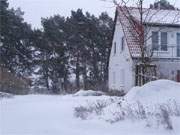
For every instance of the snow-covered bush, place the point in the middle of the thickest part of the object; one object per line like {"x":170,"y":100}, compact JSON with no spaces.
{"x":155,"y":103}
{"x":161,"y":117}
{"x":165,"y":118}
{"x":91,"y":108}
{"x":118,"y":112}
{"x":112,"y":112}
{"x":82,"y":112}
{"x":5,"y":95}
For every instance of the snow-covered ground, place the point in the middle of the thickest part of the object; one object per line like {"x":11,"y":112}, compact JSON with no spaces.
{"x":89,"y":93}
{"x":55,"y":115}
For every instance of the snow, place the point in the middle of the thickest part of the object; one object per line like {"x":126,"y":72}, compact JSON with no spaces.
{"x":155,"y":92}
{"x":46,"y":115}
{"x":157,"y":16}
{"x":151,"y":98}
{"x":88,"y":93}
{"x":54,"y":115}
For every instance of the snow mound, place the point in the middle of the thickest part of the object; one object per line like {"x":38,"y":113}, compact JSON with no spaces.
{"x":155,"y":92}
{"x":5,"y":95}
{"x":88,"y":93}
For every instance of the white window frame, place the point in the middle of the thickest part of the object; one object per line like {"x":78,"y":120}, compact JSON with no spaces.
{"x":159,"y":49}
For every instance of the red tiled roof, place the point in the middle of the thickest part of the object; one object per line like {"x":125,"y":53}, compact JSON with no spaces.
{"x":129,"y":28}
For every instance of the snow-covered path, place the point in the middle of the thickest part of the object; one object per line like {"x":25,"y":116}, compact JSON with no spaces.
{"x":53,"y":115}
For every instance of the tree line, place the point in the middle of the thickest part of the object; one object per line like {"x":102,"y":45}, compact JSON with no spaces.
{"x":68,"y":53}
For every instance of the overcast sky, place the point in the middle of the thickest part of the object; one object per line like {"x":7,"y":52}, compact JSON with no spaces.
{"x":35,"y":9}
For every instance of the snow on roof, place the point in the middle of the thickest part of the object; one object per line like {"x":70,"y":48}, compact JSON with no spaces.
{"x":157,"y":16}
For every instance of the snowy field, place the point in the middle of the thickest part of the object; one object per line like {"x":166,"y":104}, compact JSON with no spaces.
{"x":55,"y":115}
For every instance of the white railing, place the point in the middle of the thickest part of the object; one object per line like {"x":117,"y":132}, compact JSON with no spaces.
{"x":171,"y":51}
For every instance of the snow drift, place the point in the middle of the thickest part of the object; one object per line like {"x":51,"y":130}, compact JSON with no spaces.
{"x":88,"y":93}
{"x":151,"y":98}
{"x":155,"y":92}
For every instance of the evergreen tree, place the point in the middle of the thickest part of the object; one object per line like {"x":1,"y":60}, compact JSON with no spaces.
{"x":53,"y":56}
{"x":79,"y":44}
{"x":106,"y":28}
{"x":15,"y":39}
{"x":41,"y":59}
{"x":90,"y":43}
{"x":162,"y":4}
{"x":76,"y":42}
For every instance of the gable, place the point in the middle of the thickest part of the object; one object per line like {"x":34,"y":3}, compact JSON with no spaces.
{"x":131,"y":34}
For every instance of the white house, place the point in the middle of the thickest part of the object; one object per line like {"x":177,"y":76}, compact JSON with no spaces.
{"x":161,"y":30}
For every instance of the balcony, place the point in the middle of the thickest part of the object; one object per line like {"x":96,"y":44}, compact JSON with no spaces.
{"x":170,"y":51}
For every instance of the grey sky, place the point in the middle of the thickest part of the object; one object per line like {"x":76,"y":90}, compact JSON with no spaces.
{"x":35,"y":9}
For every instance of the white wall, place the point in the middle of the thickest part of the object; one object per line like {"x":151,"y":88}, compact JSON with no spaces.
{"x":120,"y":64}
{"x":172,"y":41}
{"x":167,"y":69}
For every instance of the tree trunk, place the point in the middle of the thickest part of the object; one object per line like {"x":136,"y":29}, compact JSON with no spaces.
{"x":85,"y":77}
{"x":77,"y":73}
{"x":65,"y":81}
{"x":47,"y":80}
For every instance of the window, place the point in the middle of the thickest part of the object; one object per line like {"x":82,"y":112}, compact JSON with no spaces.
{"x":164,"y":41}
{"x":122,"y":43}
{"x":114,"y":48}
{"x":155,"y":41}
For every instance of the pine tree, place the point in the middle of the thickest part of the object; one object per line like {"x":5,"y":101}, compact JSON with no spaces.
{"x":15,"y":40}
{"x":52,"y":58}
{"x":76,"y":42}
{"x":162,"y":4}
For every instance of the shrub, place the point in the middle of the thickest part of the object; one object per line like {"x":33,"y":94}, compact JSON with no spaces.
{"x":157,"y":116}
{"x":82,"y":112}
{"x":165,"y":118}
